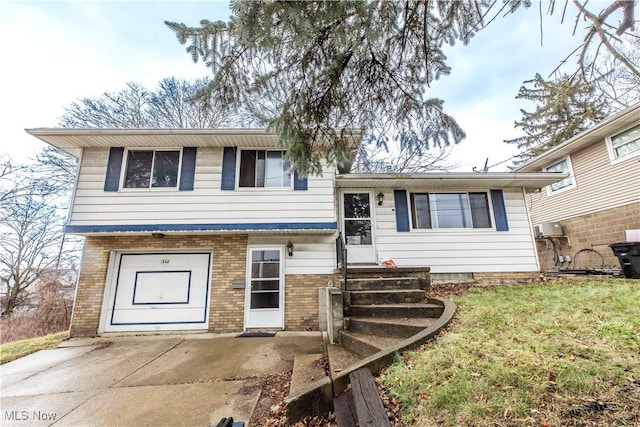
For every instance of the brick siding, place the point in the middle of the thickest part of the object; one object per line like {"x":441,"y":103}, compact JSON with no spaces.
{"x":505,"y":277}
{"x":229,"y":264}
{"x":593,"y":231}
{"x":301,"y":300}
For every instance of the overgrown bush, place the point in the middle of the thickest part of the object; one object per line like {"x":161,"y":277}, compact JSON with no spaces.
{"x":51,"y":313}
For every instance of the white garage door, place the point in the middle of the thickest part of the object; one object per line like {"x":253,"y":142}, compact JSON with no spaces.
{"x":158,"y":291}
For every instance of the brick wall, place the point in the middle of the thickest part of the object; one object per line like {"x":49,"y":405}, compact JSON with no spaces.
{"x":506,"y":277}
{"x":301,"y":300}
{"x":593,"y":231}
{"x":229,"y":264}
{"x":90,"y":290}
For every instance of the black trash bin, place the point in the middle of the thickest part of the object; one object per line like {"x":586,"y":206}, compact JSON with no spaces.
{"x":628,"y":254}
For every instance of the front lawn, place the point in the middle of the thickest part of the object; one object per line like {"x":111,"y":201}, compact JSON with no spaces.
{"x":16,"y":349}
{"x":557,"y":354}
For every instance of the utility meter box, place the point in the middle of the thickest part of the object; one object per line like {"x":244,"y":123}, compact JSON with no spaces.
{"x":549,"y":229}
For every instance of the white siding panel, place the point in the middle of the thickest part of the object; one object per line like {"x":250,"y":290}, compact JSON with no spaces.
{"x":460,"y":250}
{"x":311,"y":254}
{"x":205,"y":204}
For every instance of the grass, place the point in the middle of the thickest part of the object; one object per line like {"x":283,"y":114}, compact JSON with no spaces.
{"x":562,"y":353}
{"x":16,"y":349}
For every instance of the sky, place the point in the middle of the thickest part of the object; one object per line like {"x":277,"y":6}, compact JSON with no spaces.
{"x":57,"y":52}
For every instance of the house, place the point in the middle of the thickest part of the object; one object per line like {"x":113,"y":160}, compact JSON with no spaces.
{"x":62,"y":281}
{"x":199,"y":229}
{"x":579,"y":216}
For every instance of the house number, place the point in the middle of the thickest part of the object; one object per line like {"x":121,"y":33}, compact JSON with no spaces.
{"x":164,"y":261}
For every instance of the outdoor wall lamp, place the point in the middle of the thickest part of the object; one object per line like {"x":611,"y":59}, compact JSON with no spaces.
{"x":380,"y":198}
{"x":290,"y":248}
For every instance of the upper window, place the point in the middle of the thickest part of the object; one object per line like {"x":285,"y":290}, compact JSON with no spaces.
{"x":264,"y":168}
{"x":450,"y":210}
{"x":625,"y":144}
{"x":562,"y":166}
{"x":152,"y":169}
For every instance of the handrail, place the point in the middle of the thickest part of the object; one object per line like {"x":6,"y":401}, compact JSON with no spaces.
{"x":341,"y":258}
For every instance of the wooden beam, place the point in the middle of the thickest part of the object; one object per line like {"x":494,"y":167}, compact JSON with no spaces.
{"x":369,"y":408}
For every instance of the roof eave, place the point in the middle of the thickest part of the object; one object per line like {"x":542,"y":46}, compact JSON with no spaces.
{"x":73,"y":141}
{"x":530,"y":181}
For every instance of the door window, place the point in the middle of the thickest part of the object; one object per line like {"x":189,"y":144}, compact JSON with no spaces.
{"x":265,"y":279}
{"x":357,"y":219}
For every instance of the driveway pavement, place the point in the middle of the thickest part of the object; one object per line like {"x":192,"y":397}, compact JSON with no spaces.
{"x":167,"y":380}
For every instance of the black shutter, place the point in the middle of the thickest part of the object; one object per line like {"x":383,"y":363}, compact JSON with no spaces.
{"x":188,"y":168}
{"x":114,"y":166}
{"x":299,"y":183}
{"x":402,"y":210}
{"x":499,"y":210}
{"x":228,"y":181}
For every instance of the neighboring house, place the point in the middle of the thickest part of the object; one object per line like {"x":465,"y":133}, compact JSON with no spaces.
{"x":63,"y":281}
{"x":600,"y":199}
{"x":196,"y":229}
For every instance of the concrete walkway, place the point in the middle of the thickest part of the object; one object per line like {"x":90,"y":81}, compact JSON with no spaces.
{"x":167,"y":380}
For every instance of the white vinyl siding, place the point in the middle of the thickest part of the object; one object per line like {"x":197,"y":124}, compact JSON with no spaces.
{"x":206,"y":204}
{"x":461,"y":250}
{"x":603,"y":185}
{"x":311,"y":254}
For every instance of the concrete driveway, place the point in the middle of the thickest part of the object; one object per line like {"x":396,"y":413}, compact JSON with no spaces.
{"x":167,"y":380}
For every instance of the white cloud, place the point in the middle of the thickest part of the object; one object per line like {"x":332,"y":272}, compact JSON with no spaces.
{"x":56,"y":52}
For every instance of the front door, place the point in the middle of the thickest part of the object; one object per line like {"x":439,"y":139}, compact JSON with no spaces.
{"x":264,"y":300}
{"x":357,"y":227}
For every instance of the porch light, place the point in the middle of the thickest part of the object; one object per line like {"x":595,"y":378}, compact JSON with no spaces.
{"x":290,"y":248}
{"x":380,"y":198}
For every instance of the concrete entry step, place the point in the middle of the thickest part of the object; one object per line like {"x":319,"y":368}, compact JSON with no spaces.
{"x":340,"y":358}
{"x":393,"y":327}
{"x":366,"y":344}
{"x":395,"y":296}
{"x":396,"y":310}
{"x":306,"y":369}
{"x":380,"y":283}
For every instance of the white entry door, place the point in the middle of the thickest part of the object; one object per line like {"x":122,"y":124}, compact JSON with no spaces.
{"x":357,"y":227}
{"x":264,"y":301}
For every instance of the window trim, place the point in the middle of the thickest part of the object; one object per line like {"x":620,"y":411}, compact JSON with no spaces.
{"x":290,"y":187}
{"x":125,"y":164}
{"x":573,"y":184}
{"x":451,"y":229}
{"x":613,"y":158}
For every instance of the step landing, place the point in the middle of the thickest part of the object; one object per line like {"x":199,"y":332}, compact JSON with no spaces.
{"x":307,"y":368}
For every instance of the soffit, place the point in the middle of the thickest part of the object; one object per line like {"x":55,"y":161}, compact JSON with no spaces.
{"x":450,"y":181}
{"x":73,"y":141}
